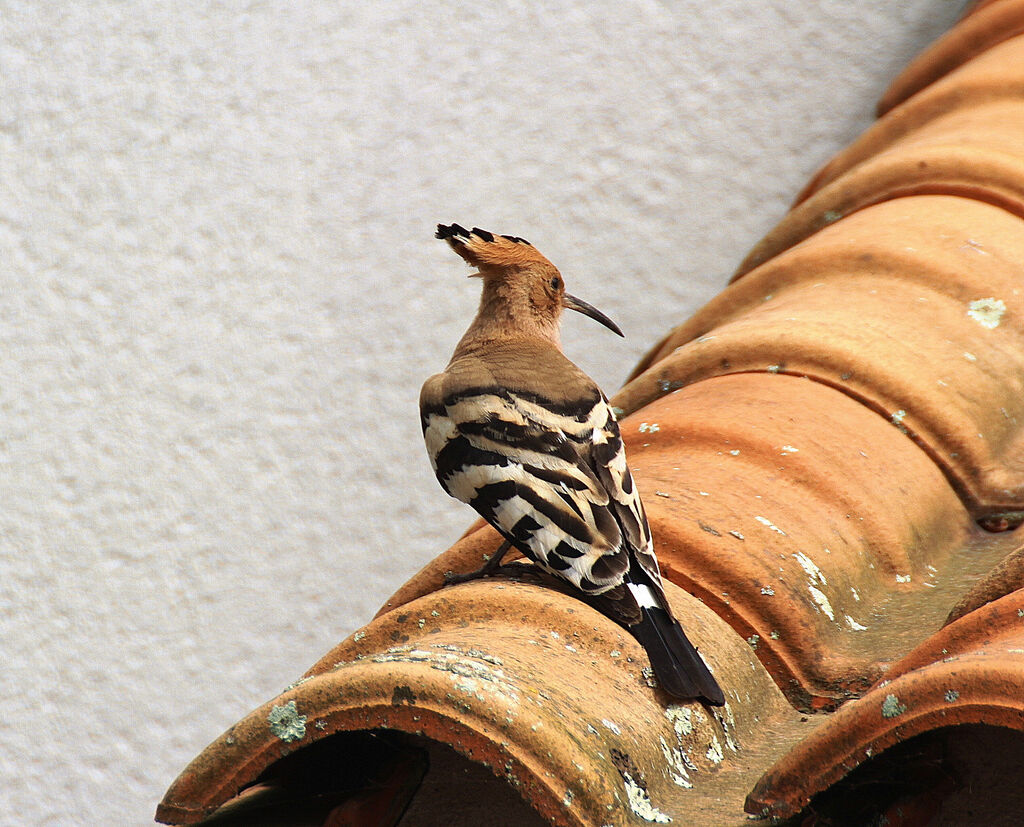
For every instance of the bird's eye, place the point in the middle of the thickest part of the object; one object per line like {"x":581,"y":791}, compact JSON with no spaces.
{"x":556,"y":282}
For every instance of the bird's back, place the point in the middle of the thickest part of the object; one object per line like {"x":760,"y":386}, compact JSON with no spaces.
{"x":526,"y":438}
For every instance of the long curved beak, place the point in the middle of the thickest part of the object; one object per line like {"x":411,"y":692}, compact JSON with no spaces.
{"x":581,"y":306}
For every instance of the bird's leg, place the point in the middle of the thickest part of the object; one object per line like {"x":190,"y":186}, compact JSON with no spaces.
{"x":488,"y":568}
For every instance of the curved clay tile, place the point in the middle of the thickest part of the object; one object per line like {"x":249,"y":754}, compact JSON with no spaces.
{"x":978,"y":5}
{"x":968,"y":673}
{"x":983,"y":27}
{"x":556,"y":703}
{"x":962,"y":136}
{"x":1007,"y":576}
{"x":913,"y":307}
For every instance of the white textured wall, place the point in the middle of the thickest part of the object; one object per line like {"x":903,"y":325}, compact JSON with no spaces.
{"x":219,"y":295}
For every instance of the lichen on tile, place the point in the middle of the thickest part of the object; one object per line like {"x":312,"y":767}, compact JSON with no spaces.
{"x":987,"y":312}
{"x":892,"y":708}
{"x":286,"y":722}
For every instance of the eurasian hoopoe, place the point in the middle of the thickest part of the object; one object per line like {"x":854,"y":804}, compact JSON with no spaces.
{"x":517,"y":431}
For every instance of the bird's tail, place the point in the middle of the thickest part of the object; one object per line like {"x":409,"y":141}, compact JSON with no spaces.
{"x":677,"y":664}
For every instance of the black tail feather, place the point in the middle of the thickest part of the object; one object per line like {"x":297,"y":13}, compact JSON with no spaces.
{"x":677,"y":664}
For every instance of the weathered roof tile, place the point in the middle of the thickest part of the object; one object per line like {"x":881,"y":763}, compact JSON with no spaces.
{"x":983,"y":26}
{"x":544,"y":690}
{"x":970,"y":672}
{"x":913,"y":307}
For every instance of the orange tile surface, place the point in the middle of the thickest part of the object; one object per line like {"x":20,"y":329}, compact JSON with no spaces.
{"x":914,"y":307}
{"x":970,"y":672}
{"x":983,"y":27}
{"x":544,"y":690}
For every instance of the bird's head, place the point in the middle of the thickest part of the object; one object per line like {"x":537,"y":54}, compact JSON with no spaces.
{"x":521,"y":287}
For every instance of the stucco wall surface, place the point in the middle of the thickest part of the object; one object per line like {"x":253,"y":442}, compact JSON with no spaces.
{"x":219,"y":295}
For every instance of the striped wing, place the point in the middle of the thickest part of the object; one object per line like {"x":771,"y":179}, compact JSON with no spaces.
{"x":552,"y":479}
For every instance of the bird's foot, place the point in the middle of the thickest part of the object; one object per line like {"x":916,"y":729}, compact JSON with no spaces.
{"x":492,"y":566}
{"x":452,"y":578}
{"x":519,"y":570}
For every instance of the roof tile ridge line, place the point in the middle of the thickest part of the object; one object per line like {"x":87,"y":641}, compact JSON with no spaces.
{"x":972,"y":506}
{"x":981,"y":193}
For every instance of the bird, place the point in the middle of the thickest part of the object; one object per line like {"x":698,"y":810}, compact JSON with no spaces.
{"x":516,"y":430}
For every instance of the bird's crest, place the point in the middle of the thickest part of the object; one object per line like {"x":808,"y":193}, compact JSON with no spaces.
{"x":488,"y":251}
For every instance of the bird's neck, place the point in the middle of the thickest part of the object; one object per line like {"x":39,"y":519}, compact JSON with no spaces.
{"x":505,"y":316}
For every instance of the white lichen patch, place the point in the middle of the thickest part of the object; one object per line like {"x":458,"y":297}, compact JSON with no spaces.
{"x":892,"y":708}
{"x":681,"y":718}
{"x":769,"y":524}
{"x":897,"y":419}
{"x":725,"y":717}
{"x":640,"y":802}
{"x":286,"y":722}
{"x":788,"y":449}
{"x":476,"y":653}
{"x":468,"y":686}
{"x":714,"y":753}
{"x":767,"y":590}
{"x":735,"y":452}
{"x":611,"y":726}
{"x":902,"y":578}
{"x":987,"y":312}
{"x":676,"y":765}
{"x":649,"y":428}
{"x":970,"y":357}
{"x":818,"y":596}
{"x":472,"y":673}
{"x":809,"y":566}
{"x":951,"y":696}
{"x":737,"y":535}
{"x":854,"y":625}
{"x":856,"y":595}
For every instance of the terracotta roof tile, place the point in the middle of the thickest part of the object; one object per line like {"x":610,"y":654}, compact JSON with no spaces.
{"x":555,"y":702}
{"x":956,"y":137}
{"x":985,"y":25}
{"x":902,"y":306}
{"x":970,"y":672}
